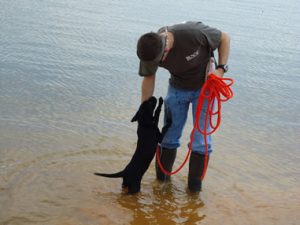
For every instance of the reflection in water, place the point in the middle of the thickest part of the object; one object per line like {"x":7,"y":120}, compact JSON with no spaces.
{"x":165,"y":205}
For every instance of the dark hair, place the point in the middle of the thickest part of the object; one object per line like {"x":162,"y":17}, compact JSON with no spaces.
{"x":149,"y":46}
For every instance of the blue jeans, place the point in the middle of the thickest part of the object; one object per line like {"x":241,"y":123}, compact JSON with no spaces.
{"x":176,"y":105}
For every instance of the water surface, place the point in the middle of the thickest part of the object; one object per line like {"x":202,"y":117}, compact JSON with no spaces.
{"x":69,"y":87}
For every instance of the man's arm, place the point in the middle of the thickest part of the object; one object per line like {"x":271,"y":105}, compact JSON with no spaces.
{"x":223,"y":53}
{"x":148,"y":85}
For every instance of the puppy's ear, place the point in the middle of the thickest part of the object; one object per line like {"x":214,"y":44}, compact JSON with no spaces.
{"x":135,"y":117}
{"x":160,"y":101}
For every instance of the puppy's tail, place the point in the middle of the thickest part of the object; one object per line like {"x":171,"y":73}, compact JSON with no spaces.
{"x":111,"y":175}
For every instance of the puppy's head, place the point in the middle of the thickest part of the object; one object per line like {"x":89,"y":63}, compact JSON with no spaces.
{"x":144,"y":115}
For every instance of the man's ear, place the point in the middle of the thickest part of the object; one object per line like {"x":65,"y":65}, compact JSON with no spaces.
{"x":135,"y":117}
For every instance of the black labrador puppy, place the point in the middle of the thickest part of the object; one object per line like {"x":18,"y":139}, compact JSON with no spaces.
{"x":149,"y":136}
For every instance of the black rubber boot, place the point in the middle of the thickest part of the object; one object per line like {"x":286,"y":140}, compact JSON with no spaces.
{"x":167,"y":158}
{"x":196,"y":168}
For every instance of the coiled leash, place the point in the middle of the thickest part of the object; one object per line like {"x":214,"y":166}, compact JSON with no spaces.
{"x":215,"y":89}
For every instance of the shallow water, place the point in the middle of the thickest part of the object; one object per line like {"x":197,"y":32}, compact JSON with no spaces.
{"x":69,"y":87}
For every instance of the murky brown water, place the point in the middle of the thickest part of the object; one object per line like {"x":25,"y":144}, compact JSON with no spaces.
{"x":59,"y":188}
{"x":69,"y":87}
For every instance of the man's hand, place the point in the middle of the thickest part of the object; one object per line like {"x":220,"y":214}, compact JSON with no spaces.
{"x":219,"y":72}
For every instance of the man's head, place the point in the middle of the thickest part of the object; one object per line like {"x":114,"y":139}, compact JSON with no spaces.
{"x":150,"y":47}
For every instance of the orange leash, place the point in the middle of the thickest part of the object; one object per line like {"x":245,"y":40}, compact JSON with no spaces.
{"x":215,"y":89}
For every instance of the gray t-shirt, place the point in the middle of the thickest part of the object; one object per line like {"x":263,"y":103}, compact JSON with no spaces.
{"x":187,"y":60}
